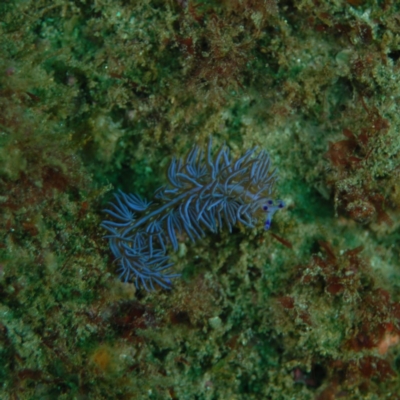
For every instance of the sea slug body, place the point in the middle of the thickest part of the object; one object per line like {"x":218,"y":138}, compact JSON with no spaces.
{"x":204,"y":192}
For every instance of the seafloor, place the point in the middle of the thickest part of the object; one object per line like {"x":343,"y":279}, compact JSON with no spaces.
{"x":98,"y":95}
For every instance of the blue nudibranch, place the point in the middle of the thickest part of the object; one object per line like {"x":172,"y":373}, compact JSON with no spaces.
{"x":204,"y":192}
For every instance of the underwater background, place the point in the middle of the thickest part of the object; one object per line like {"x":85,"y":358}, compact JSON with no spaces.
{"x":98,"y":96}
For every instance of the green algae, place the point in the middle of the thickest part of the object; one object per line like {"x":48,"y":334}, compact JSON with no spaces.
{"x":99,"y":95}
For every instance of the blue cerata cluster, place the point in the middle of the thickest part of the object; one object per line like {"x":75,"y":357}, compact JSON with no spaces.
{"x":204,"y":192}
